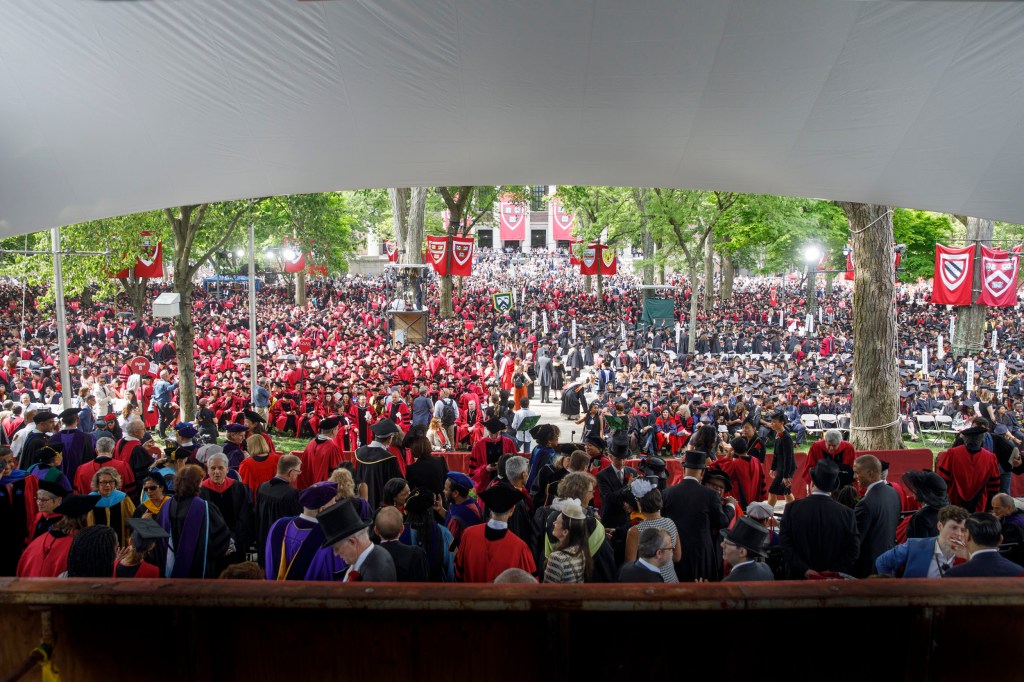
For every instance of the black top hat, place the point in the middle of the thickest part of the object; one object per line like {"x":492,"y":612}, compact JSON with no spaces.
{"x":619,"y":446}
{"x":825,"y":475}
{"x":695,"y":459}
{"x":340,"y":521}
{"x":654,"y":466}
{"x":749,"y":535}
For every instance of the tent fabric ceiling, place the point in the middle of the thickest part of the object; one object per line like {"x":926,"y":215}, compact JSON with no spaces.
{"x":110,"y":108}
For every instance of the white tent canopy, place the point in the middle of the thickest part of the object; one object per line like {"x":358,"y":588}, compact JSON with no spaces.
{"x":109,"y":108}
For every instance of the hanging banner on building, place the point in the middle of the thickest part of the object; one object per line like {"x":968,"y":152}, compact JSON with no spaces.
{"x":561,"y":222}
{"x":998,"y":278}
{"x":513,"y":218}
{"x":437,"y":252}
{"x":954,"y":275}
{"x":462,"y":256}
{"x":588,"y":259}
{"x":391,"y":248}
{"x":609,"y":261}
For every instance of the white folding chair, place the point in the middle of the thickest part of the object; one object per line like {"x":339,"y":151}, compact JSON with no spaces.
{"x":810,"y":422}
{"x":927,"y":428}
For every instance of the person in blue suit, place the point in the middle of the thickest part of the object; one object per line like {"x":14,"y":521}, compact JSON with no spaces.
{"x":929,"y":557}
{"x":982,"y":534}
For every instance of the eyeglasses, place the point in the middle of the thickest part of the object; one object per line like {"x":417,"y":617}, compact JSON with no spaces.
{"x":150,"y":488}
{"x":40,"y":498}
{"x":665,"y":549}
{"x":105,"y":483}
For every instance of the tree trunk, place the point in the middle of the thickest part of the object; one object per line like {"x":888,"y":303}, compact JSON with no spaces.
{"x":812,"y":290}
{"x":692,"y":345}
{"x":600,"y":289}
{"x":875,"y":366}
{"x":136,"y":290}
{"x":446,"y":310}
{"x":300,"y":289}
{"x":828,"y":284}
{"x":184,"y":341}
{"x":709,"y":271}
{"x":586,"y":283}
{"x":407,"y":204}
{"x":728,"y":276}
{"x":970,"y":320}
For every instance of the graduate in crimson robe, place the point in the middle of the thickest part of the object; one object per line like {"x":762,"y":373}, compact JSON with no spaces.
{"x":486,"y":550}
{"x":483,"y":460}
{"x":362,"y":417}
{"x":842,"y":454}
{"x":47,"y":555}
{"x":321,"y":456}
{"x":287,"y":419}
{"x":294,"y":541}
{"x":971,"y":472}
{"x":745,"y":472}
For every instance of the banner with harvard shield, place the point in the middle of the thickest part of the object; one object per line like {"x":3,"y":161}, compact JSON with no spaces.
{"x":462,"y":256}
{"x":513,"y":218}
{"x":392,"y":251}
{"x":502,"y":302}
{"x":561,"y":222}
{"x":575,"y":248}
{"x":998,"y":278}
{"x":589,"y":259}
{"x":437,"y":252}
{"x":150,"y":262}
{"x":954,"y":275}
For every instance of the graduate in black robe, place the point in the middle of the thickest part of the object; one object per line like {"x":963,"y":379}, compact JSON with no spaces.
{"x":37,"y":440}
{"x":199,"y":536}
{"x":275,"y":499}
{"x":375,"y":463}
{"x":234,"y":501}
{"x":13,"y":517}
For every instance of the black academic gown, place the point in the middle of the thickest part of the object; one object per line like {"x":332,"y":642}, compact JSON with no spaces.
{"x":13,"y":525}
{"x":375,"y":466}
{"x":218,"y":542}
{"x":235,"y":505}
{"x":698,"y":514}
{"x":275,"y":499}
{"x":34,"y":442}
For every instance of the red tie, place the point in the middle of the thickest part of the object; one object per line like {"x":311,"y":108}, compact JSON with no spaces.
{"x":353,"y":576}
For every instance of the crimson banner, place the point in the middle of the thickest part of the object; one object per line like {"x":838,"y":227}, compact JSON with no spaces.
{"x":609,"y":261}
{"x":462,"y":256}
{"x":849,"y":264}
{"x":954,"y":275}
{"x":575,"y":247}
{"x":561,"y":222}
{"x":437,"y":251}
{"x":151,"y":260}
{"x":998,"y":278}
{"x":513,"y":218}
{"x":392,"y":251}
{"x":589,"y":259}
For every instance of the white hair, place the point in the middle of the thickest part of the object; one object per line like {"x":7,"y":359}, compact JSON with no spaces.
{"x":217,"y":457}
{"x":833,"y":436}
{"x":515,"y":467}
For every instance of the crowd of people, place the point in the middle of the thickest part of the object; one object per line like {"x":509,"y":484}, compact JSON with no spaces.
{"x":427,"y":463}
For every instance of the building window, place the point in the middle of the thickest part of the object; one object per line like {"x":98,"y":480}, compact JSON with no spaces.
{"x":537,"y":194}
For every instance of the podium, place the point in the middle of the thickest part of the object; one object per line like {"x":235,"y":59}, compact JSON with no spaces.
{"x":409,"y":326}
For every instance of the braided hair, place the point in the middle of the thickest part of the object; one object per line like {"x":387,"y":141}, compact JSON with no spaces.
{"x":92,"y":554}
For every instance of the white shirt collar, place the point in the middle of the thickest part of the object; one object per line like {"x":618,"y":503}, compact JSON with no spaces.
{"x":692,"y":478}
{"x":742,"y":563}
{"x":818,"y":492}
{"x":866,"y":491}
{"x":984,"y":551}
{"x":311,"y":519}
{"x":497,"y":525}
{"x":648,"y":565}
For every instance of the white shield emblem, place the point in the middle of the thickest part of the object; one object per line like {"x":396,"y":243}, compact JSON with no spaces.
{"x":436,"y":251}
{"x":953,"y":269}
{"x":513,"y":216}
{"x":997,"y":275}
{"x":150,"y":246}
{"x":462,"y":252}
{"x":589,"y":256}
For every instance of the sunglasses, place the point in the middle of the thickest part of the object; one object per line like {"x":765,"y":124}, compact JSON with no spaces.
{"x":150,"y":488}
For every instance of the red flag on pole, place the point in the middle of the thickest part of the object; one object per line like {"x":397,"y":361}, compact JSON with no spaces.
{"x":954,"y":275}
{"x":151,"y":260}
{"x":561,"y":222}
{"x":998,"y":278}
{"x":513,"y":218}
{"x":437,"y":251}
{"x":589,"y":259}
{"x":462,"y":256}
{"x":296,"y":261}
{"x":609,"y":261}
